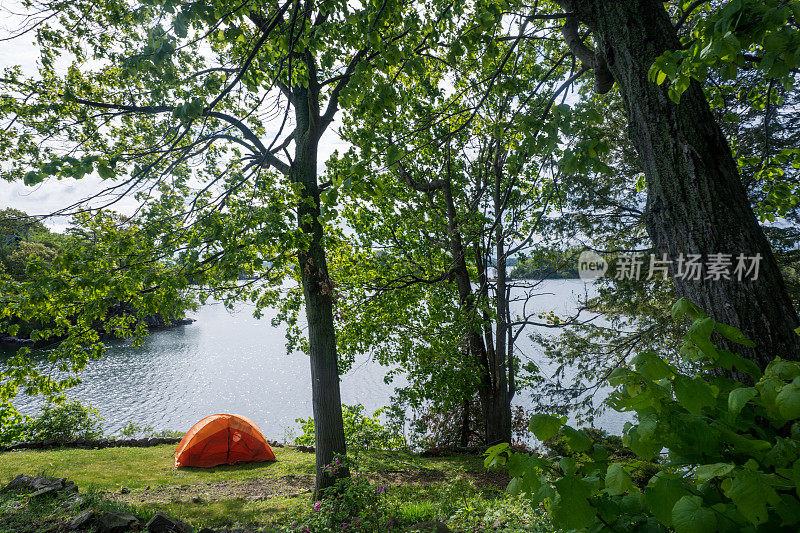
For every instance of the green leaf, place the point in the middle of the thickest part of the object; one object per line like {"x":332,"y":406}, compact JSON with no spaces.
{"x":180,"y":25}
{"x":33,"y":177}
{"x":782,"y":369}
{"x":545,"y":426}
{"x":739,"y":397}
{"x":392,"y":154}
{"x":788,"y":400}
{"x":689,"y":516}
{"x":693,"y":393}
{"x":706,"y":472}
{"x":577,"y":439}
{"x":662,"y":492}
{"x":652,"y":366}
{"x":733,"y":334}
{"x":514,"y":486}
{"x":788,"y":510}
{"x":106,"y":172}
{"x":618,"y":481}
{"x":685,"y":307}
{"x":568,"y":465}
{"x":701,"y":329}
{"x":729,"y":360}
{"x":495,"y":455}
{"x":572,"y":509}
{"x":750,"y":492}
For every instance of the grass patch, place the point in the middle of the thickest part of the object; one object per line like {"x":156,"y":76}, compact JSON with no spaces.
{"x":256,"y":495}
{"x":109,"y":469}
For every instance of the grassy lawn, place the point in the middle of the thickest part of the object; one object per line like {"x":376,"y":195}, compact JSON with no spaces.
{"x":249,"y":495}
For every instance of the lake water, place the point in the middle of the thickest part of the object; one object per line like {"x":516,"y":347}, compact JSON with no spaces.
{"x":232,"y":362}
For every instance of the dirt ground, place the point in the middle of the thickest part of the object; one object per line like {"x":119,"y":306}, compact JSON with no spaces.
{"x":285,"y":487}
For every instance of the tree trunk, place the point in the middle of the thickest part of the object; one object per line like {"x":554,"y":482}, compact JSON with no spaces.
{"x":501,"y":372}
{"x":696,"y":202}
{"x":493,"y":400}
{"x":464,"y":437}
{"x":318,"y":292}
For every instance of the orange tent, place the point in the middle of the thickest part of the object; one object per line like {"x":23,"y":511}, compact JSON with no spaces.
{"x":223,"y":440}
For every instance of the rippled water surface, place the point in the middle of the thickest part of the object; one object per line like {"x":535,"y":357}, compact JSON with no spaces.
{"x":232,"y":362}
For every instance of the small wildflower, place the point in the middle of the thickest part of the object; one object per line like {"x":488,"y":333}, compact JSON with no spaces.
{"x":317,"y":506}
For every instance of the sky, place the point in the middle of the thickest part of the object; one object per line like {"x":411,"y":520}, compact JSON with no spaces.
{"x":52,"y":194}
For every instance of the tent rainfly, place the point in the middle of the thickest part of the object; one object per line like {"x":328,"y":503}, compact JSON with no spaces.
{"x":223,"y":440}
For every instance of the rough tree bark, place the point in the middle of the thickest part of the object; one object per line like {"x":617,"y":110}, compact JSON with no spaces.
{"x":317,"y":291}
{"x":696,"y":202}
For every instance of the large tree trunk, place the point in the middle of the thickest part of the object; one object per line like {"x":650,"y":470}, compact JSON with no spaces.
{"x":318,"y":292}
{"x":696,"y":202}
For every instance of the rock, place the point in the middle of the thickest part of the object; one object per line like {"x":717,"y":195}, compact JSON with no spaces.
{"x":431,"y":526}
{"x":115,"y":522}
{"x":52,"y":489}
{"x":21,"y":482}
{"x":82,"y":521}
{"x":161,"y":523}
{"x":197,"y":499}
{"x":124,"y":490}
{"x":41,"y":485}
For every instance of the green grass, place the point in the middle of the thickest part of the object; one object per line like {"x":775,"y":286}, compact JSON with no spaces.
{"x":418,"y":485}
{"x":137,"y":468}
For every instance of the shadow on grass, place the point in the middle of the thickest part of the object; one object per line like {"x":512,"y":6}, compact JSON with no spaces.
{"x":239,"y":467}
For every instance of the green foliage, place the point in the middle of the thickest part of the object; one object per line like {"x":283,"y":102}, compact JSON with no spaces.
{"x":733,"y":450}
{"x":103,"y":281}
{"x":361,"y":432}
{"x":64,"y":421}
{"x":505,"y":514}
{"x":351,"y":504}
{"x":732,"y":35}
{"x":546,"y":263}
{"x":133,"y":430}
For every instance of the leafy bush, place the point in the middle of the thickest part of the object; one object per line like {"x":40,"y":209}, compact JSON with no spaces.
{"x":733,"y":449}
{"x":509,"y":514}
{"x":361,"y":432}
{"x":132,"y":430}
{"x":64,"y":421}
{"x":640,"y":470}
{"x":352,"y":504}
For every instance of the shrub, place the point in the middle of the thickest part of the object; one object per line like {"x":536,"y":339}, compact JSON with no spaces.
{"x":361,"y":432}
{"x":352,"y":504}
{"x":733,"y":448}
{"x":64,"y":421}
{"x":506,"y":514}
{"x":133,"y":430}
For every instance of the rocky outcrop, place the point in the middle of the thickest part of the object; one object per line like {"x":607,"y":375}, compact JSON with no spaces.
{"x":16,"y":342}
{"x":153,"y":323}
{"x":41,"y":485}
{"x":99,"y":521}
{"x":161,"y":523}
{"x":91,"y":444}
{"x":105,"y":522}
